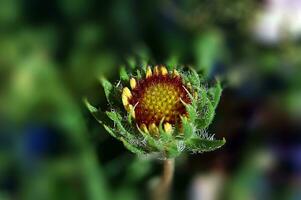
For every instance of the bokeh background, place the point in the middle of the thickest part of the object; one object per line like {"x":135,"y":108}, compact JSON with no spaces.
{"x":53,"y":52}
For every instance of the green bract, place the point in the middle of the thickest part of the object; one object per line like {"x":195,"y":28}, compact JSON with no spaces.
{"x":190,"y":134}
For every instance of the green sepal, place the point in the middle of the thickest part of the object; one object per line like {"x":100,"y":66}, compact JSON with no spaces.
{"x":107,"y":86}
{"x":205,"y":112}
{"x":204,"y":145}
{"x":172,"y":150}
{"x":215,"y":93}
{"x":190,"y":108}
{"x":150,"y":141}
{"x":91,"y":108}
{"x":116,"y":118}
{"x":188,"y":128}
{"x":165,"y":137}
{"x":94,"y":111}
{"x":131,"y":147}
{"x":172,"y":62}
{"x":194,"y":78}
{"x":123,"y":74}
{"x":110,"y":131}
{"x":139,"y":76}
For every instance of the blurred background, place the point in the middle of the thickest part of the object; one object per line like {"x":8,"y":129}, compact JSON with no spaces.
{"x":52,"y":53}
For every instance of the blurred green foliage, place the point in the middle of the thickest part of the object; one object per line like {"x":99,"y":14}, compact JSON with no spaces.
{"x":53,"y":53}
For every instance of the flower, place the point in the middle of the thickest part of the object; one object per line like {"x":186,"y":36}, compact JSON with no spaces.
{"x":157,"y":97}
{"x":163,"y":113}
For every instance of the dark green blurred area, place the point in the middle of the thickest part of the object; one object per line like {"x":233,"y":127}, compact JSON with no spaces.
{"x":52,"y":54}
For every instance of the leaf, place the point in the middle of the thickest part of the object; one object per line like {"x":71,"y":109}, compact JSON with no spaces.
{"x":172,"y":62}
{"x":204,"y":145}
{"x":110,"y":131}
{"x":107,"y":86}
{"x":172,"y":150}
{"x":116,"y":118}
{"x":165,"y":137}
{"x":188,"y":128}
{"x":139,"y":76}
{"x":215,"y":94}
{"x":132,"y":148}
{"x":150,"y":141}
{"x":123,"y":74}
{"x":206,"y":113}
{"x":192,"y":113}
{"x":194,"y":78}
{"x":94,"y":111}
{"x":91,"y":108}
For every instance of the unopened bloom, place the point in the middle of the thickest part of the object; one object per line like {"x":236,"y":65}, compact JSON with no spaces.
{"x":164,"y":112}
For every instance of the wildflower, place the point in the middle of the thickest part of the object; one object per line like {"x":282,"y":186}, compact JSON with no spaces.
{"x":163,"y":112}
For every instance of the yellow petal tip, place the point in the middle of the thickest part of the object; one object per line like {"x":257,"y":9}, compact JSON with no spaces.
{"x":144,"y":128}
{"x":156,"y":70}
{"x":168,"y":128}
{"x":176,"y":73}
{"x":132,"y":110}
{"x":133,"y":83}
{"x":153,"y":128}
{"x":127,"y":92}
{"x":163,"y":71}
{"x":148,"y":72}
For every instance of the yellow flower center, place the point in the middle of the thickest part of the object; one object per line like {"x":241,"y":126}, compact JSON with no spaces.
{"x":159,"y":96}
{"x":161,"y":101}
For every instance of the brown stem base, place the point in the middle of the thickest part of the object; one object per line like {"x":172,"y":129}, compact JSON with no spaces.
{"x":163,"y":188}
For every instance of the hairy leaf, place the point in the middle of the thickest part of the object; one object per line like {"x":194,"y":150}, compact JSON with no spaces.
{"x":123,"y":74}
{"x":188,"y":128}
{"x":132,"y":148}
{"x":215,"y":94}
{"x":107,"y":86}
{"x":206,"y":113}
{"x":203,"y":145}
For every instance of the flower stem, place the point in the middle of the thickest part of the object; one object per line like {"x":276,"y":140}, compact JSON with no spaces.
{"x":163,"y":188}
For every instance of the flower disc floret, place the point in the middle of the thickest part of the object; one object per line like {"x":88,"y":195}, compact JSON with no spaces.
{"x":160,"y":96}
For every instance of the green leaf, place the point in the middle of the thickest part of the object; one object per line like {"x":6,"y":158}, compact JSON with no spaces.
{"x":94,"y":111}
{"x":110,"y":131}
{"x":194,"y":78}
{"x":204,"y":145}
{"x":215,"y":94}
{"x":132,"y":148}
{"x":192,"y":113}
{"x":165,"y":137}
{"x":151,"y":142}
{"x":116,"y":118}
{"x":91,"y":108}
{"x":139,"y":76}
{"x":172,"y":150}
{"x":188,"y":128}
{"x":107,"y":86}
{"x":172,"y":62}
{"x":123,"y":74}
{"x":206,"y":113}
